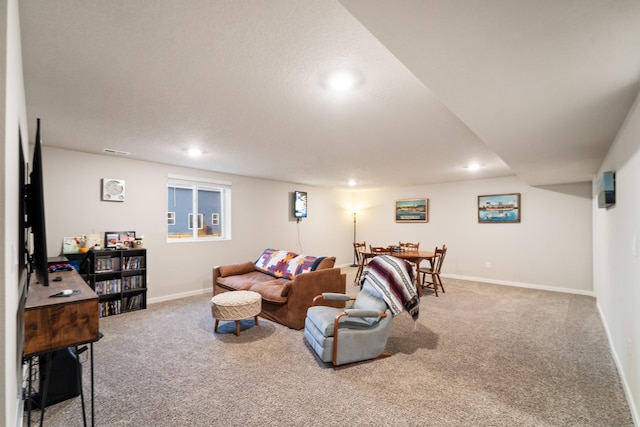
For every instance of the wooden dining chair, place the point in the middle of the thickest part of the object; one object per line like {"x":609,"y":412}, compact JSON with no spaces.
{"x":380,"y":250}
{"x":409,"y":246}
{"x":434,"y":270}
{"x":360,"y":259}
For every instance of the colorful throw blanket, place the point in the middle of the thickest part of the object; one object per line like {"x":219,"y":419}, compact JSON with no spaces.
{"x":393,"y":278}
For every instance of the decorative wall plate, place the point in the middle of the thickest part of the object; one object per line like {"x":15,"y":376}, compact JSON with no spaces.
{"x":113,"y":190}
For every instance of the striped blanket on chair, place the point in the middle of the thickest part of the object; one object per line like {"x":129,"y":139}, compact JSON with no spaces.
{"x":393,"y":278}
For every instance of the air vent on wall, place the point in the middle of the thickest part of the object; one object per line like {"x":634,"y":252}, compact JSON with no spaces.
{"x":118,"y":152}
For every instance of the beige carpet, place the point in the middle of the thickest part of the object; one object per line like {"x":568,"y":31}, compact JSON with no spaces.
{"x":479,"y":355}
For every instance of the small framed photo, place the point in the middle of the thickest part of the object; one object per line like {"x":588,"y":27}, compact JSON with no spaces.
{"x":499,"y":208}
{"x":412,"y":210}
{"x":119,"y":239}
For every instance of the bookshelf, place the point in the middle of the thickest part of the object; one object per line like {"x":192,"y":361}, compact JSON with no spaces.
{"x":119,"y":277}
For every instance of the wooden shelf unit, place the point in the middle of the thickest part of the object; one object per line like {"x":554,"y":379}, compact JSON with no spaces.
{"x":119,"y":277}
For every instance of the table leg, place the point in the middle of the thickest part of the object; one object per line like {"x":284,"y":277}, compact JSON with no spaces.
{"x":237,"y":328}
{"x":418,"y":283}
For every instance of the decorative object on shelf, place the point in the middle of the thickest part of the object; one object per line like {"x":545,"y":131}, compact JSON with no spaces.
{"x":92,"y":239}
{"x":113,"y":190}
{"x":119,"y":239}
{"x":412,"y":210}
{"x":71,"y":245}
{"x":499,"y":208}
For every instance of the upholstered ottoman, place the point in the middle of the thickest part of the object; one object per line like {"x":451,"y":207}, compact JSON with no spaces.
{"x":236,"y":305}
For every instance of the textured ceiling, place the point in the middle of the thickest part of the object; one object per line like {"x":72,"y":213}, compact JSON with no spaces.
{"x":536,"y":89}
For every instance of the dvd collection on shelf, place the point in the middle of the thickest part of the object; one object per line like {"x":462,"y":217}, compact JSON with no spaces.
{"x":119,"y":278}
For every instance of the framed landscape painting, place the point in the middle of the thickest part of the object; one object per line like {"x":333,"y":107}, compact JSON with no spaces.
{"x":499,"y":208}
{"x":412,"y":210}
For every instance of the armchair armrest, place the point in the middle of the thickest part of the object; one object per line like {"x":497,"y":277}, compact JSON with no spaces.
{"x":331,"y":296}
{"x":355,"y":312}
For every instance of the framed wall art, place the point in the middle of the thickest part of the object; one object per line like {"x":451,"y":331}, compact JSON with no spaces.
{"x":412,"y":210}
{"x":499,"y":208}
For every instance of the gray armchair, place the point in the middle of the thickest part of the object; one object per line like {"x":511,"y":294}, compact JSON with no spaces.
{"x":346,"y":335}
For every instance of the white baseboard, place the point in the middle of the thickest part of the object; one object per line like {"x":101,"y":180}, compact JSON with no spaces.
{"x":621,"y":373}
{"x":509,"y":283}
{"x":521,"y":285}
{"x":180,"y":295}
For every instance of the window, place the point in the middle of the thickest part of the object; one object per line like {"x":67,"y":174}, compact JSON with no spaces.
{"x":198,"y":209}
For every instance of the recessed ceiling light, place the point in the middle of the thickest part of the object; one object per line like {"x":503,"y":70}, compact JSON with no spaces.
{"x":473,"y":166}
{"x":341,"y":81}
{"x":195,"y":152}
{"x":352,"y":182}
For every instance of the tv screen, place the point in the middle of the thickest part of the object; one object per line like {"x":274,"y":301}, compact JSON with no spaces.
{"x":35,"y":214}
{"x":300,"y":204}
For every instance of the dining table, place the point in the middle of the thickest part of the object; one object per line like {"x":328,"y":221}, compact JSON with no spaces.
{"x":413,"y":256}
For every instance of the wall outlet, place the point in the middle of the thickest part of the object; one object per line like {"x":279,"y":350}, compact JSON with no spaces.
{"x":487,"y":264}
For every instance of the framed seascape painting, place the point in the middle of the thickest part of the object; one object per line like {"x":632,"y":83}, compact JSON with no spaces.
{"x":499,"y":208}
{"x":412,"y":210}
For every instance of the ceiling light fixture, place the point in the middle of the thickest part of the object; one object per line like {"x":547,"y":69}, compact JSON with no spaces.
{"x":195,"y":152}
{"x":473,"y":166}
{"x":352,"y":183}
{"x":341,"y":81}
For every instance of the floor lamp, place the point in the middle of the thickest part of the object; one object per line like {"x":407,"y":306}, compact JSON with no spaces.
{"x":355,"y":262}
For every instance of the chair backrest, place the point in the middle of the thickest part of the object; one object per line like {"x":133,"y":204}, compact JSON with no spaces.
{"x":379,"y":250}
{"x":357,"y":250}
{"x":439,"y":258}
{"x":370,"y":299}
{"x":409,"y":246}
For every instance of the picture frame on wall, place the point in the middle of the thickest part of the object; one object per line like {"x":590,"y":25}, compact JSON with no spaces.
{"x":412,"y":210}
{"x":499,"y":208}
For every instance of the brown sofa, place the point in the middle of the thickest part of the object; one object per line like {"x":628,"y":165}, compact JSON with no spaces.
{"x":283,"y":300}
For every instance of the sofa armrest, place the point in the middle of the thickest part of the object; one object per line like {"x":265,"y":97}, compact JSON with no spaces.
{"x":306,"y":286}
{"x":231,"y":270}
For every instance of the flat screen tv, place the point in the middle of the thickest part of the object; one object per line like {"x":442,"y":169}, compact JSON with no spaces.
{"x":35,"y":215}
{"x":300,"y":204}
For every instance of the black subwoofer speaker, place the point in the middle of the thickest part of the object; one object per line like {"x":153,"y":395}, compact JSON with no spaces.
{"x":65,"y":376}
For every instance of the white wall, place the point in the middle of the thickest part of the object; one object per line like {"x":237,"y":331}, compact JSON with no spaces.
{"x":549,"y":249}
{"x":260,"y":217}
{"x":12,"y":123}
{"x":617,"y":266}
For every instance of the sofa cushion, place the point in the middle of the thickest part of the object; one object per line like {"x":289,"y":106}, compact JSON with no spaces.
{"x":287,"y":265}
{"x":235,"y":269}
{"x":271,"y":290}
{"x":243,"y":282}
{"x":326,"y":262}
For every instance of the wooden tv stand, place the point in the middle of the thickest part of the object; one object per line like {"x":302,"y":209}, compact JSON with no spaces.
{"x":52,"y":324}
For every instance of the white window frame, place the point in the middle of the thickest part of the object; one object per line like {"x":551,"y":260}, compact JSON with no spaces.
{"x":224,"y":216}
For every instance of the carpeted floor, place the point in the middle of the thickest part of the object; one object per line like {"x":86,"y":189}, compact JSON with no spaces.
{"x":479,"y":355}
